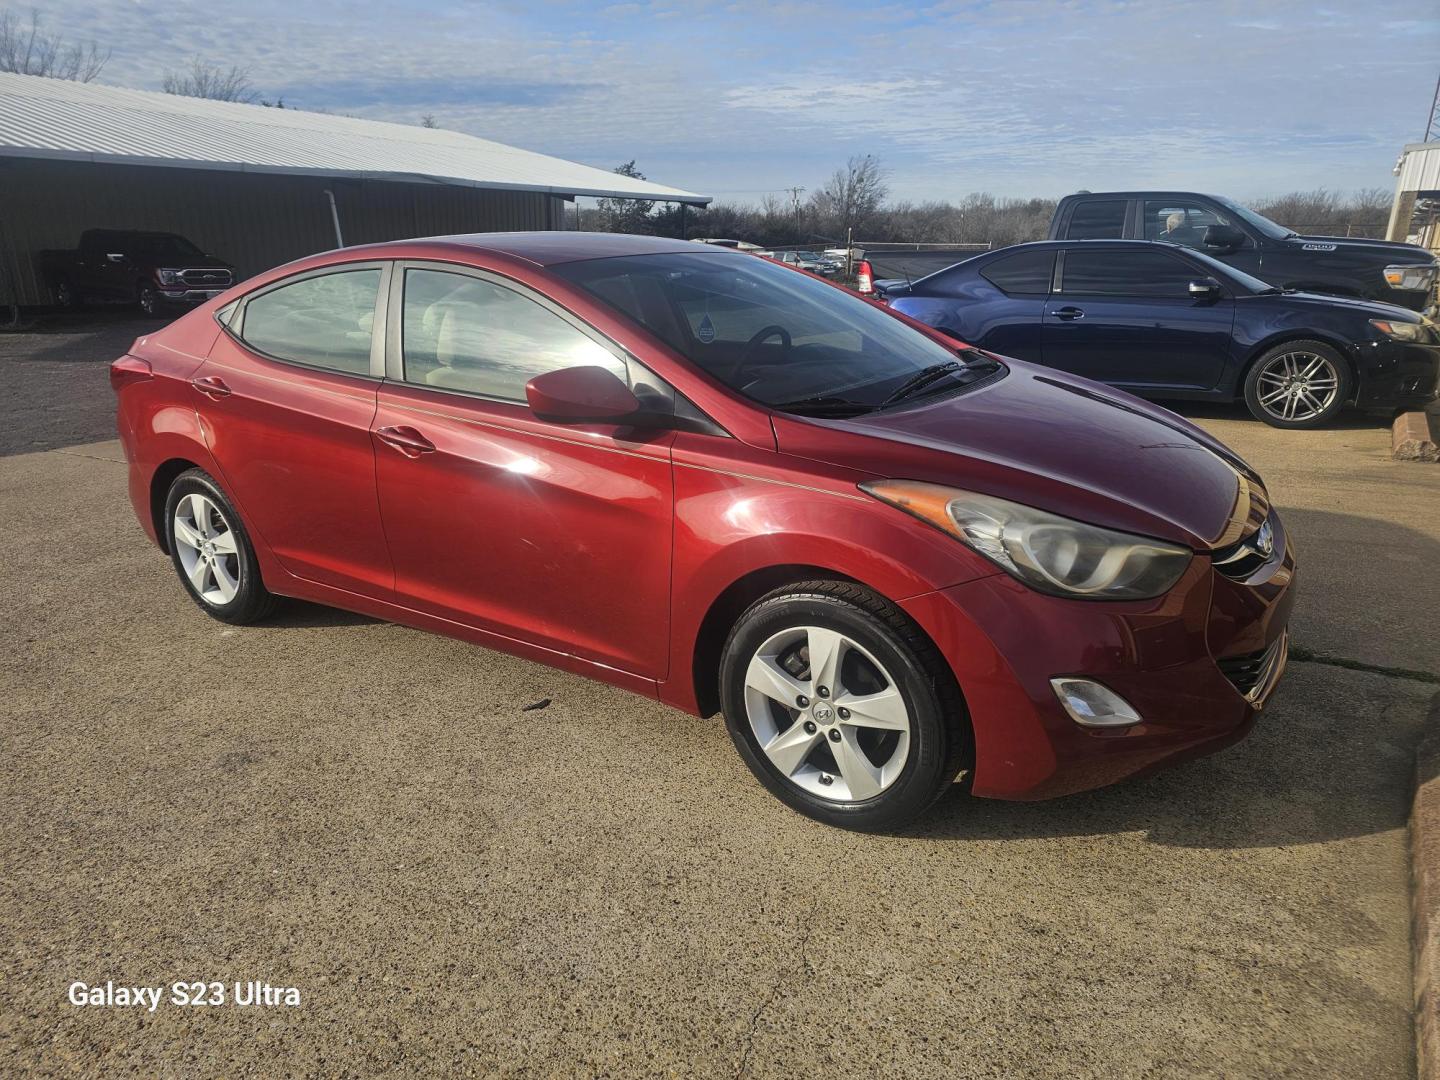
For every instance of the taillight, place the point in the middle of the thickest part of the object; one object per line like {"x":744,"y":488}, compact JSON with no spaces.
{"x":864,"y":277}
{"x":129,"y":369}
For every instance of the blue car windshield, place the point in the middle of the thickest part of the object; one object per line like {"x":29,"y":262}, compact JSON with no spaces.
{"x":786,"y":340}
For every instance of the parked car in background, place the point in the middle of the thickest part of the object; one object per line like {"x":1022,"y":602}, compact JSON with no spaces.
{"x":1392,"y":273}
{"x":129,"y":266}
{"x":808,"y":260}
{"x":1168,"y":322}
{"x":737,"y":245}
{"x":721,"y":482}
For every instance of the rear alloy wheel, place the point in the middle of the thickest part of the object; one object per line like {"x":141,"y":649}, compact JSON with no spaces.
{"x":65,"y":296}
{"x":1301,"y":384}
{"x":211,"y":551}
{"x":841,"y":707}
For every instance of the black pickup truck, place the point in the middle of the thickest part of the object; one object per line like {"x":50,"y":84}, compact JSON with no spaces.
{"x":127,"y":266}
{"x":1400,"y":274}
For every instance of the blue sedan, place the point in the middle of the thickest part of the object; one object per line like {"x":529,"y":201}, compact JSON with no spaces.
{"x":1167,"y":322}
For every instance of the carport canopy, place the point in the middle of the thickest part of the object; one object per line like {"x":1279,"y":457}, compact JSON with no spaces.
{"x":58,"y":119}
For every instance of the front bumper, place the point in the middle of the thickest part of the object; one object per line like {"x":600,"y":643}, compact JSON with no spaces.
{"x":1397,"y":374}
{"x":1198,"y":664}
{"x":173,"y":295}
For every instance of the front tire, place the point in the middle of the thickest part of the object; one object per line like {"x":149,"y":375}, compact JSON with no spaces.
{"x":841,"y":706}
{"x":1299,"y":384}
{"x":212,"y":552}
{"x":149,"y":301}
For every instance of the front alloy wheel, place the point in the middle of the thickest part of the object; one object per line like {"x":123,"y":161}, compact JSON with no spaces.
{"x":1300,"y":384}
{"x":149,"y":300}
{"x":841,"y":705}
{"x":827,"y":714}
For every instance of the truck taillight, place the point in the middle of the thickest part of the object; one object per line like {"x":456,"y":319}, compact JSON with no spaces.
{"x":864,"y":277}
{"x":129,"y":369}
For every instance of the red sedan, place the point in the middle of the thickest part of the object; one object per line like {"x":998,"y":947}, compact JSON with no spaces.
{"x":888,"y":558}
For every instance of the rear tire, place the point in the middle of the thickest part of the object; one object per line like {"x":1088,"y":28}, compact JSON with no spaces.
{"x":66,"y":296}
{"x":212,"y":553}
{"x":867,"y":740}
{"x":1298,"y":384}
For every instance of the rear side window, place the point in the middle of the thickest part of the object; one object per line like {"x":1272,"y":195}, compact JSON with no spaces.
{"x":1025,"y":274}
{"x":1102,"y":219}
{"x":465,"y":333}
{"x":1126,"y":273}
{"x":322,"y":321}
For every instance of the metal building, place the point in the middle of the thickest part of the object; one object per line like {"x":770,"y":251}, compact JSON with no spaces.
{"x":1417,"y":186}
{"x":256,"y":186}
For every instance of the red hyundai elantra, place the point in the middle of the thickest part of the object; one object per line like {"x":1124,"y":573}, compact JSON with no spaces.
{"x":887,"y":557}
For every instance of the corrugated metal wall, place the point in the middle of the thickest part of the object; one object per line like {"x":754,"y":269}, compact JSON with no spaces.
{"x":254,"y":220}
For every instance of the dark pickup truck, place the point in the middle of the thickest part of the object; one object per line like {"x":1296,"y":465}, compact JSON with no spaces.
{"x":127,"y":266}
{"x":1400,"y":274}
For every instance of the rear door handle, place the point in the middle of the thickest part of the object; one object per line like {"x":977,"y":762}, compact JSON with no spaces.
{"x":1069,"y":314}
{"x":405,"y":439}
{"x":212,"y":386}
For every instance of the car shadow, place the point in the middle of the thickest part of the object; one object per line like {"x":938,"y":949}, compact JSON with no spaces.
{"x":1348,"y":420}
{"x":302,"y":615}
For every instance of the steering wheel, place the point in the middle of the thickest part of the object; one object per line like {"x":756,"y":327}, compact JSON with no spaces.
{"x":763,"y":334}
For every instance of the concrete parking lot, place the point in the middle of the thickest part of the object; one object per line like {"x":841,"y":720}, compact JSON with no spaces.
{"x":461,"y":886}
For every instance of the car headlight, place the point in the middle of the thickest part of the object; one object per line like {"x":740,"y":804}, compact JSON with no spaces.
{"x":1401,"y":331}
{"x":1047,"y":552}
{"x":168,"y":277}
{"x":1417,"y":278}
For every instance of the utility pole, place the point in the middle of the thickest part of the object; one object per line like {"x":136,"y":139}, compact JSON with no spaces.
{"x":795,"y":193}
{"x":1432,"y":126}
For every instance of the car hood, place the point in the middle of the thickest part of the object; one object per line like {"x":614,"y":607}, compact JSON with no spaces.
{"x":1048,"y":440}
{"x":198,"y":262}
{"x":1392,"y":249}
{"x":1371,"y":309}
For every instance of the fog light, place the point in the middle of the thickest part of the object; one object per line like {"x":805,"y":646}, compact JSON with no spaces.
{"x":1092,"y":705}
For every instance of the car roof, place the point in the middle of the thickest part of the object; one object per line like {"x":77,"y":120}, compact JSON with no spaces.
{"x":551,"y":248}
{"x":1148,"y":193}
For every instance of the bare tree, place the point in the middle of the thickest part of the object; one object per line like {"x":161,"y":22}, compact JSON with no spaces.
{"x":211,"y":81}
{"x":428,"y":121}
{"x":26,"y":49}
{"x":852,"y":196}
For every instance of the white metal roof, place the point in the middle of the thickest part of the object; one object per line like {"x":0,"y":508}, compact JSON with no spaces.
{"x":1419,"y":167}
{"x":54,"y":118}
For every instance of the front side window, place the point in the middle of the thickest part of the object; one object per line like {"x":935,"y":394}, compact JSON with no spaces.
{"x":466,"y":333}
{"x":1099,"y":220}
{"x":1126,"y":273}
{"x":1026,"y":273}
{"x":322,"y":321}
{"x":785,"y":340}
{"x":1180,"y":222}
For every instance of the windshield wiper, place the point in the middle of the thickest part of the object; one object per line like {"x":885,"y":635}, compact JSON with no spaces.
{"x":824,"y":406}
{"x":921,"y":379}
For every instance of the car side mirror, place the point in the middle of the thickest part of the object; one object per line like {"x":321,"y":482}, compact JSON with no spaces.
{"x":581,"y":395}
{"x":1204,"y":289}
{"x":1223,"y":237}
{"x":117,"y":257}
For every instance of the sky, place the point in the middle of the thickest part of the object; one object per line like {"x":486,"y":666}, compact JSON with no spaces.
{"x":751,"y":97}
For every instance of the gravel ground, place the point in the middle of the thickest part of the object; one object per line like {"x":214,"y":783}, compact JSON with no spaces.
{"x":459,"y":886}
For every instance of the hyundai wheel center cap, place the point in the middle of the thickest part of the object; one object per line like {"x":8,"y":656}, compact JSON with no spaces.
{"x":823,"y":713}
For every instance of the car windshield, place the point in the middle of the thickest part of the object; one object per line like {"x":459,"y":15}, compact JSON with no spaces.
{"x":809,"y":255}
{"x":161,"y":247}
{"x":1257,"y":221}
{"x":784,"y":339}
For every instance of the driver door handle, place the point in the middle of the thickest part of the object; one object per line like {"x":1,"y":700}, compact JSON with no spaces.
{"x":405,"y":439}
{"x":1069,"y":314}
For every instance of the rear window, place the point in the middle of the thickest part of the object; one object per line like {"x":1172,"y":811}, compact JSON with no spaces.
{"x":323,"y":321}
{"x":1102,"y":219}
{"x":1027,"y":273}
